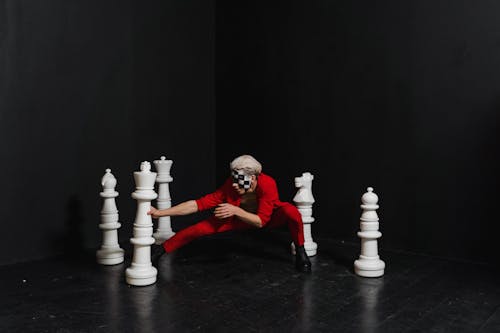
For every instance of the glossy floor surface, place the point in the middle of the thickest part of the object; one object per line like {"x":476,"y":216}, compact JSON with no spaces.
{"x":247,"y":283}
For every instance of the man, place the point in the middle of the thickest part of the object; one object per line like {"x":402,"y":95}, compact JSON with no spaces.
{"x":248,"y":199}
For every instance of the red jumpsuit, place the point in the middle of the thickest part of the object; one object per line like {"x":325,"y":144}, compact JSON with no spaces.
{"x":271,"y":210}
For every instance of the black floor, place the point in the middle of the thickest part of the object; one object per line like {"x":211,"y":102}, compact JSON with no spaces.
{"x":246,"y":283}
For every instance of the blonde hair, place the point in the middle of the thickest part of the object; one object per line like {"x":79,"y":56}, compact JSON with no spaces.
{"x":247,"y":164}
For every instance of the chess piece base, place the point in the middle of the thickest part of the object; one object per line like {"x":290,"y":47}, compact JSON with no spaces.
{"x":110,"y":256}
{"x":137,"y":276}
{"x":369,"y":267}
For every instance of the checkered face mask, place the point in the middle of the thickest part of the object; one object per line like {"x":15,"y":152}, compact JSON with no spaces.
{"x":239,"y":177}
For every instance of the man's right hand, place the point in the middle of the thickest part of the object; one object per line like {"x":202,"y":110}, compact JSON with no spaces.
{"x":155,"y":213}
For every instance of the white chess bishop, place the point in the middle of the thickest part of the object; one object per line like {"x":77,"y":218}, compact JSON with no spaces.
{"x":142,"y":272}
{"x":369,"y":263}
{"x":110,"y":252}
{"x":304,"y":201}
{"x":164,"y":230}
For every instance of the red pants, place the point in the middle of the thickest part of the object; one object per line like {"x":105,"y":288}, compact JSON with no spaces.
{"x":287,"y":214}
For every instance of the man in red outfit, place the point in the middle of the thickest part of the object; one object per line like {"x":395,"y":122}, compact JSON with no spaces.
{"x":248,"y":199}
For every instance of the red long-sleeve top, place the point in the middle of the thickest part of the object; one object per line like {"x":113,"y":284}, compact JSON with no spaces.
{"x":266,"y":192}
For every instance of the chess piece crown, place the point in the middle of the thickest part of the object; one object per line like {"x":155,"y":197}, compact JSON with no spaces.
{"x":163,"y":168}
{"x":145,"y":179}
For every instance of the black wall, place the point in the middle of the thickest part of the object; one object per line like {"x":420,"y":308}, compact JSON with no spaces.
{"x":89,"y":85}
{"x":402,"y":96}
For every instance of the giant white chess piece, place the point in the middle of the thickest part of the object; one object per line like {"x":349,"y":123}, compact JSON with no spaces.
{"x":369,"y":263}
{"x":142,"y":272}
{"x":304,"y":200}
{"x":164,"y":230}
{"x":110,"y":252}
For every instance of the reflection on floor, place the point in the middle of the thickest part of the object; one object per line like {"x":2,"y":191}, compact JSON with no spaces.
{"x":247,"y":283}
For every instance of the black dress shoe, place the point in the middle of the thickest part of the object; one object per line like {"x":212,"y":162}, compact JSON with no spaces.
{"x":302,"y":262}
{"x":156,"y":252}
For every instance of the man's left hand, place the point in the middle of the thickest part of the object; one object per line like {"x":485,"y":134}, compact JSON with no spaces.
{"x":225,"y":210}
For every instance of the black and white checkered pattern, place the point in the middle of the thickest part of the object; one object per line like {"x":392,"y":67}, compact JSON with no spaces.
{"x":240,"y":178}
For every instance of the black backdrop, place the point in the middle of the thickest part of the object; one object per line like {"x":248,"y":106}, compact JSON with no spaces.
{"x":87,"y":85}
{"x":401,"y":96}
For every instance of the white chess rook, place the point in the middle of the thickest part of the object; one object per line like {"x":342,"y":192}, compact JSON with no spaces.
{"x":110,"y":252}
{"x":142,"y":272}
{"x":369,"y":263}
{"x":164,"y":230}
{"x":304,"y":201}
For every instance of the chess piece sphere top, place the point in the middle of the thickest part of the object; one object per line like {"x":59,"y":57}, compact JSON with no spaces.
{"x":108,"y":181}
{"x":163,"y":160}
{"x":369,"y":198}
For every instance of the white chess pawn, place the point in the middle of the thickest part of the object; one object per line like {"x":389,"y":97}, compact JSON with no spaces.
{"x":142,"y":272}
{"x":304,"y":201}
{"x":164,"y":230}
{"x":369,"y":263}
{"x":110,"y":252}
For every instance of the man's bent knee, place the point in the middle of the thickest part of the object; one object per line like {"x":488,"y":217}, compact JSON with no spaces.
{"x":291,"y":213}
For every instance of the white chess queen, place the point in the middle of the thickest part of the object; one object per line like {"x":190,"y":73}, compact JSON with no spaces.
{"x":163,"y":178}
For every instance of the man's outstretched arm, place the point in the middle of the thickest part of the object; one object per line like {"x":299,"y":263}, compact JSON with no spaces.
{"x":184,"y":208}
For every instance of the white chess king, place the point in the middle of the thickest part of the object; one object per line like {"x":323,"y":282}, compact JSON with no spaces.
{"x":304,"y":200}
{"x":110,"y":252}
{"x":142,"y":272}
{"x":369,"y":263}
{"x":164,"y":230}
